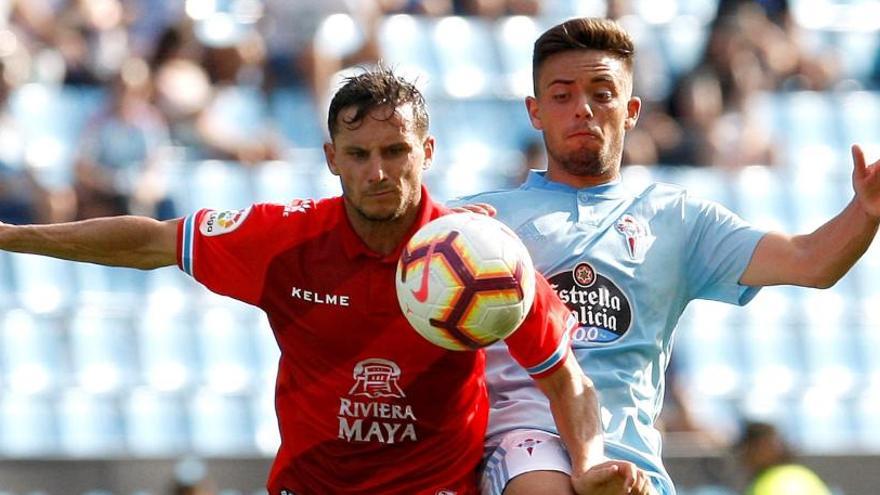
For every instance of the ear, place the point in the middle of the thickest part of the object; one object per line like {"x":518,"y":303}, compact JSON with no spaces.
{"x":428,"y":148}
{"x":534,"y":114}
{"x":330,"y":155}
{"x":633,"y":109}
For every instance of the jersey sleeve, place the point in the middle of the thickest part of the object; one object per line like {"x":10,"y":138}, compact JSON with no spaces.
{"x":542,"y":342}
{"x":721,"y":247}
{"x":228,"y":251}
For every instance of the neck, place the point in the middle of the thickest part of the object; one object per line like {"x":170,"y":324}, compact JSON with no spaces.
{"x":556,"y":173}
{"x":382,"y":236}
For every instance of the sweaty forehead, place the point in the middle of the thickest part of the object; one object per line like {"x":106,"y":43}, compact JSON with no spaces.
{"x":583,"y":65}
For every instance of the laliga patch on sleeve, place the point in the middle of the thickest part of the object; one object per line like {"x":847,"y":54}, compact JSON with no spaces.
{"x":222,"y":222}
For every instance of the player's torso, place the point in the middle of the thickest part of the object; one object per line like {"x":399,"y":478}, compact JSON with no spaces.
{"x":357,"y":385}
{"x":616,"y":260}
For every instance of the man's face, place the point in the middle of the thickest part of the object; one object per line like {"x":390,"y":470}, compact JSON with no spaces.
{"x":584,"y":107}
{"x":379,"y":161}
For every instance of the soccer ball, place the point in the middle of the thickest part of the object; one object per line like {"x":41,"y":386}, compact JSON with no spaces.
{"x":465,"y":281}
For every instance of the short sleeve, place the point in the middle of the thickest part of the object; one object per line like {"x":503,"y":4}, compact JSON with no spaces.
{"x":721,"y":247}
{"x":541,"y":343}
{"x":228,"y":251}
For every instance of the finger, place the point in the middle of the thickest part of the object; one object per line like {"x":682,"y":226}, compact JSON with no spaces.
{"x":602,"y":474}
{"x":860,"y":169}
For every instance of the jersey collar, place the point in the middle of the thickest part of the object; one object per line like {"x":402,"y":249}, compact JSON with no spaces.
{"x":355,"y":247}
{"x":614,"y":189}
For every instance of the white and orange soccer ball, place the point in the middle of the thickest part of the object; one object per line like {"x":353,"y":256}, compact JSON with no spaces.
{"x":465,"y":281}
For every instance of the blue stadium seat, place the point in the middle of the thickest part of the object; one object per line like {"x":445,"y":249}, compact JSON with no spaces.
{"x":166,"y":341}
{"x":775,"y":362}
{"x":683,"y":41}
{"x":221,"y":424}
{"x":406,"y":45}
{"x":43,"y":284}
{"x":812,"y":137}
{"x":226,"y":346}
{"x":763,"y":199}
{"x":466,"y":55}
{"x":515,"y":37}
{"x":296,"y":115}
{"x":102,"y":346}
{"x":31,"y":353}
{"x":279,"y":182}
{"x":710,"y":361}
{"x":89,"y":425}
{"x":104,"y":286}
{"x":156,"y":424}
{"x":859,"y":117}
{"x":28,"y":426}
{"x":216,"y":185}
{"x":51,"y":119}
{"x":867,"y":410}
{"x":824,"y":425}
{"x":268,"y":438}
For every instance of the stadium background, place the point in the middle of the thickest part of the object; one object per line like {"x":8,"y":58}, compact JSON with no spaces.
{"x":119,"y":382}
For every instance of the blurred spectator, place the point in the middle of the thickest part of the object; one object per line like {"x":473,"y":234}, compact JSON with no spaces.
{"x":534,"y":157}
{"x":118,"y":169}
{"x":770,"y":465}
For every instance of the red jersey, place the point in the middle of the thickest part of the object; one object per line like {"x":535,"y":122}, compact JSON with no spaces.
{"x":364,"y":403}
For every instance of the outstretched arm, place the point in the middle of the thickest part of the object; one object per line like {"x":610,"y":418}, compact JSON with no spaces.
{"x":821,"y":258}
{"x":129,"y":241}
{"x":575,"y":409}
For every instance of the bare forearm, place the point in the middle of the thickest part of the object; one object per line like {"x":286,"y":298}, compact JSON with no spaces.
{"x":575,"y":409}
{"x":136,"y":242}
{"x":818,"y":259}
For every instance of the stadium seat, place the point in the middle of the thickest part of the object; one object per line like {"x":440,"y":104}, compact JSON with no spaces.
{"x":859,"y":116}
{"x":268,"y":439}
{"x":683,"y":40}
{"x":296,"y":115}
{"x":28,"y":426}
{"x":280,"y":182}
{"x":515,"y":37}
{"x":51,"y":119}
{"x":89,"y":425}
{"x":823,"y":424}
{"x":710,"y":361}
{"x":407,"y":47}
{"x":102,"y":347}
{"x":44,"y":284}
{"x":108,"y":287}
{"x":466,"y":55}
{"x":762,"y":199}
{"x":221,"y":424}
{"x":32,"y":353}
{"x":166,"y":344}
{"x":216,"y":185}
{"x":156,"y":423}
{"x":225,"y":343}
{"x":774,"y":357}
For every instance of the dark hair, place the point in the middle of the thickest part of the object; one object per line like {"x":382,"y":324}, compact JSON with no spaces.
{"x":375,"y":88}
{"x":582,"y":33}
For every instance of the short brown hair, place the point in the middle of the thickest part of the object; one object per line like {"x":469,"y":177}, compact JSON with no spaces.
{"x":582,"y":33}
{"x":375,"y":88}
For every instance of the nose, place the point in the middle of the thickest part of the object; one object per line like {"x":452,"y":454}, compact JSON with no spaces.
{"x":583,"y":109}
{"x":375,"y":170}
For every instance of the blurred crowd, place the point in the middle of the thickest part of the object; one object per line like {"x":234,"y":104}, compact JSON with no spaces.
{"x":190,"y":80}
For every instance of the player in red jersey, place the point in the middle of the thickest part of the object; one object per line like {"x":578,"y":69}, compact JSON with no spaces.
{"x":364,"y":404}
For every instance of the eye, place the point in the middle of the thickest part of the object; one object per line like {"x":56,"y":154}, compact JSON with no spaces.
{"x":358,"y":154}
{"x":560,"y":97}
{"x":604,"y":96}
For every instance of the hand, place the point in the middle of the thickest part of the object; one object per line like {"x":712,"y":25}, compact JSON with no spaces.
{"x":866,"y":182}
{"x":613,"y":478}
{"x":478,"y":208}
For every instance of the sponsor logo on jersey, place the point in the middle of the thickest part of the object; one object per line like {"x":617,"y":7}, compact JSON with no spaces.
{"x":222,"y":222}
{"x":367,"y":415}
{"x":602,"y":311}
{"x":529,"y":445}
{"x":319,"y":297}
{"x":298,"y":206}
{"x":635,"y":233}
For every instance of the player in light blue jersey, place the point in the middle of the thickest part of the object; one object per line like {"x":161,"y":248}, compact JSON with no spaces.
{"x":628,"y":262}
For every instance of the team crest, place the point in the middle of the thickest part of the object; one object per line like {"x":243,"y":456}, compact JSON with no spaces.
{"x":298,"y":206}
{"x":584,"y":275}
{"x":222,"y":222}
{"x":376,"y":378}
{"x":636,"y":234}
{"x":529,"y":444}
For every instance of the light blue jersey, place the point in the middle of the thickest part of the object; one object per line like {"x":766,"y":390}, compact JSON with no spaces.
{"x":627,"y":263}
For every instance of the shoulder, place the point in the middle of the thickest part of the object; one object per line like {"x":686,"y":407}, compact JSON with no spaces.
{"x":263,"y":217}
